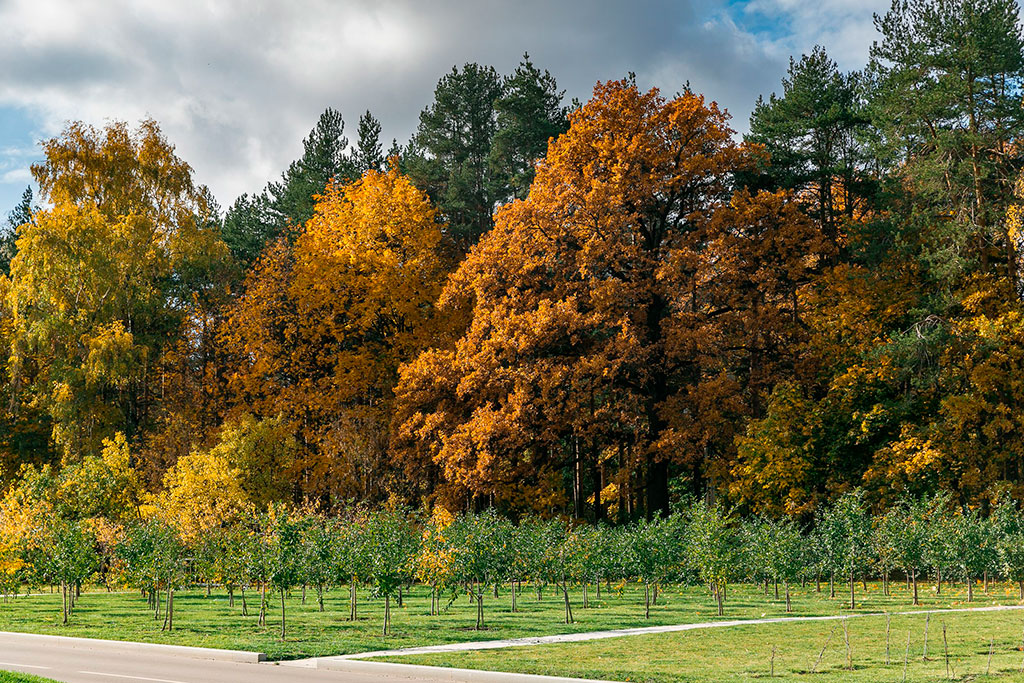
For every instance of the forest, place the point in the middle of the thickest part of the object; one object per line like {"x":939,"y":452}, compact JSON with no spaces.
{"x":575,"y":310}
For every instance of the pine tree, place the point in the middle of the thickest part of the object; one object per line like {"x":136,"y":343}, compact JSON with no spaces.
{"x":19,"y":215}
{"x":368,"y":154}
{"x":810,"y":134}
{"x":449,"y":152}
{"x":529,"y":114}
{"x":323,"y":160}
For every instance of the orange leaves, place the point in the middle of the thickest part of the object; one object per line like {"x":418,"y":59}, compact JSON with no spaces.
{"x":322,"y":326}
{"x":620,"y":307}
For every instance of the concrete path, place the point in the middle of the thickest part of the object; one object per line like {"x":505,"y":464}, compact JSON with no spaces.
{"x":82,"y":660}
{"x":324,"y":662}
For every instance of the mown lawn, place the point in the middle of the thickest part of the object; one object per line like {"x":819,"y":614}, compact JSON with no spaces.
{"x":743,"y":653}
{"x":211,"y":622}
{"x":14,"y":677}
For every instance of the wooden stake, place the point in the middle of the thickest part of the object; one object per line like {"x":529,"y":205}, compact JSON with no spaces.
{"x":846,"y":639}
{"x":945,"y":648}
{"x":888,"y":618}
{"x":906,"y":656}
{"x":823,"y":648}
{"x":988,"y":666}
{"x":924,"y":654}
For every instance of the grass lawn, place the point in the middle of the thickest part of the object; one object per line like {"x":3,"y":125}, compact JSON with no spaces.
{"x":14,"y":677}
{"x":211,"y":622}
{"x":744,"y":652}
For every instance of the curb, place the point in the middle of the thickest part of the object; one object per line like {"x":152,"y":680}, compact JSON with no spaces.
{"x":129,"y":646}
{"x":437,"y":673}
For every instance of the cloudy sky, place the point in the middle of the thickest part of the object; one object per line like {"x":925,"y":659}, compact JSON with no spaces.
{"x":237,"y":84}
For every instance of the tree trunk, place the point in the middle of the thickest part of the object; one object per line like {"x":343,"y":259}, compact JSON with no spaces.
{"x":913,"y":579}
{"x":352,"y":600}
{"x":647,"y":600}
{"x":853,"y":587}
{"x":262,"y":620}
{"x":568,"y":606}
{"x":387,"y":614}
{"x":282,"y":609}
{"x":789,"y":605}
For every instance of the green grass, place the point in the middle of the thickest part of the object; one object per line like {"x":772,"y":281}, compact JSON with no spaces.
{"x":15,"y":677}
{"x":744,"y":652}
{"x":210,"y":622}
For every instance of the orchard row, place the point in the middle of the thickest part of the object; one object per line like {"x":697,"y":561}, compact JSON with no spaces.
{"x":386,"y":551}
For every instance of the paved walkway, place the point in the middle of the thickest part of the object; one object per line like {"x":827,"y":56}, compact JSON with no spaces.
{"x":618,"y":633}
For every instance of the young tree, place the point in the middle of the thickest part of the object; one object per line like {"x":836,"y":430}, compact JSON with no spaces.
{"x":913,"y":538}
{"x":970,"y":541}
{"x":389,"y":551}
{"x":284,"y":553}
{"x":1009,"y":529}
{"x":785,"y":553}
{"x":846,"y":527}
{"x":713,"y":544}
{"x":69,"y":558}
{"x":886,"y":535}
{"x":481,"y":549}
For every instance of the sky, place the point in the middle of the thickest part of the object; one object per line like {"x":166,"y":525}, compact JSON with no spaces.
{"x":237,"y":84}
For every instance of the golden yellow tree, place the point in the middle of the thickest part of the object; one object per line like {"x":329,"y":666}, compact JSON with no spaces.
{"x":104,"y":278}
{"x":322,"y":326}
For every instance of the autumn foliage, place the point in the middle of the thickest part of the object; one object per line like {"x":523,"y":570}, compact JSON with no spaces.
{"x":598,"y":311}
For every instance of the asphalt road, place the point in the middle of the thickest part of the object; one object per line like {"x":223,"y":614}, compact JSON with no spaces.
{"x":79,"y":665}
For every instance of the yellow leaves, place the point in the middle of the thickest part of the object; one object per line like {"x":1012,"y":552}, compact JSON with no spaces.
{"x":202,"y":491}
{"x":321,"y":330}
{"x":911,"y":462}
{"x":112,"y":357}
{"x":104,"y":274}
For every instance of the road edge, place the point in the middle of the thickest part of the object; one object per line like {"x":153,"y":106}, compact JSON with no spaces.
{"x":192,"y":652}
{"x":439,"y":673}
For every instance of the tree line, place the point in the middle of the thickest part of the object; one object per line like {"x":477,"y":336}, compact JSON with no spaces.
{"x":259,"y":558}
{"x":586,"y":309}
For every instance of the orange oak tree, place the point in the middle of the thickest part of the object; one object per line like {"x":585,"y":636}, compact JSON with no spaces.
{"x":620,"y":314}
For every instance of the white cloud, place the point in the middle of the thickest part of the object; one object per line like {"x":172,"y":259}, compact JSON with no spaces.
{"x":22,"y":176}
{"x":236,"y":84}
